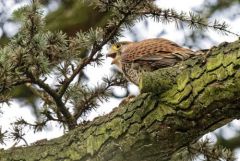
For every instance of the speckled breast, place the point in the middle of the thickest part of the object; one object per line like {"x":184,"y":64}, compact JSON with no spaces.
{"x":133,"y":72}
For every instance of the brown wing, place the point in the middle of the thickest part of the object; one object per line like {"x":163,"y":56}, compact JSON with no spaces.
{"x":159,"y":52}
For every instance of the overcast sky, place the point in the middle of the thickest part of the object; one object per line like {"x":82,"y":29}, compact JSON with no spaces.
{"x":95,"y":73}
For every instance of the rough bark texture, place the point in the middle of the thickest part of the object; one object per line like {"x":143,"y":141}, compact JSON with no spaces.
{"x":177,"y":106}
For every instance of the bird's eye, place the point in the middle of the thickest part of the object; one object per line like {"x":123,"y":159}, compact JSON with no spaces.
{"x":118,"y":45}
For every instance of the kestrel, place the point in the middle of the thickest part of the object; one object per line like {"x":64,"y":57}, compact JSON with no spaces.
{"x":135,"y":58}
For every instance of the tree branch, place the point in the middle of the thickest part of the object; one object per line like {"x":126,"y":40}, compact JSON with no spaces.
{"x":178,"y":105}
{"x":191,"y":19}
{"x":71,"y":122}
{"x":110,"y":32}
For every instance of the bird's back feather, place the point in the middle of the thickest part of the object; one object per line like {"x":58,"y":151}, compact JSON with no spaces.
{"x":153,"y":50}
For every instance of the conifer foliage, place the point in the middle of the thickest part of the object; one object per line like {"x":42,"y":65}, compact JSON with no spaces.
{"x":35,"y":56}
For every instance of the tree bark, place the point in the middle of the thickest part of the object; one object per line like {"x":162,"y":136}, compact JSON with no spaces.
{"x":177,"y":106}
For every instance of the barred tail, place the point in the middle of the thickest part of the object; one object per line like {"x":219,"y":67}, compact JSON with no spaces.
{"x":201,"y":52}
{"x":183,"y":55}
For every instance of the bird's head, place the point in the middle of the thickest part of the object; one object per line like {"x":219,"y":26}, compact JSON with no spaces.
{"x":115,"y":52}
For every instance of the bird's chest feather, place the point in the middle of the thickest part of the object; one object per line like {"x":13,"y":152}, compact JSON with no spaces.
{"x":133,"y":71}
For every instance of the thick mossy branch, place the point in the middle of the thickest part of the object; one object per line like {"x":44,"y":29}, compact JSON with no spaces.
{"x":198,"y":81}
{"x":177,"y":106}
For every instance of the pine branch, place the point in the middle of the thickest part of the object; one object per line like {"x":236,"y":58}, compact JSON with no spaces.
{"x":17,"y":134}
{"x":37,"y":125}
{"x":210,"y":152}
{"x":2,"y":136}
{"x":33,"y":53}
{"x":41,"y":94}
{"x":109,"y":33}
{"x":89,"y":99}
{"x":60,"y":105}
{"x":191,"y":19}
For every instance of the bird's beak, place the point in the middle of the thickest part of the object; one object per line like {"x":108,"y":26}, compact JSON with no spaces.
{"x":112,"y":55}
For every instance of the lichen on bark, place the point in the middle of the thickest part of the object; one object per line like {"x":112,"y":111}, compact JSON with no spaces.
{"x":177,"y":105}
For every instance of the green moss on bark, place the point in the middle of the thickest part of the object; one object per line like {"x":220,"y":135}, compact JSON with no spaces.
{"x":178,"y":107}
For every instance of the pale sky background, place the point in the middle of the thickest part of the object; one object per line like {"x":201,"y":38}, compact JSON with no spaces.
{"x":96,"y":73}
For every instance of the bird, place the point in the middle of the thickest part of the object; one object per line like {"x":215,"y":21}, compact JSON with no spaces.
{"x":135,"y":58}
